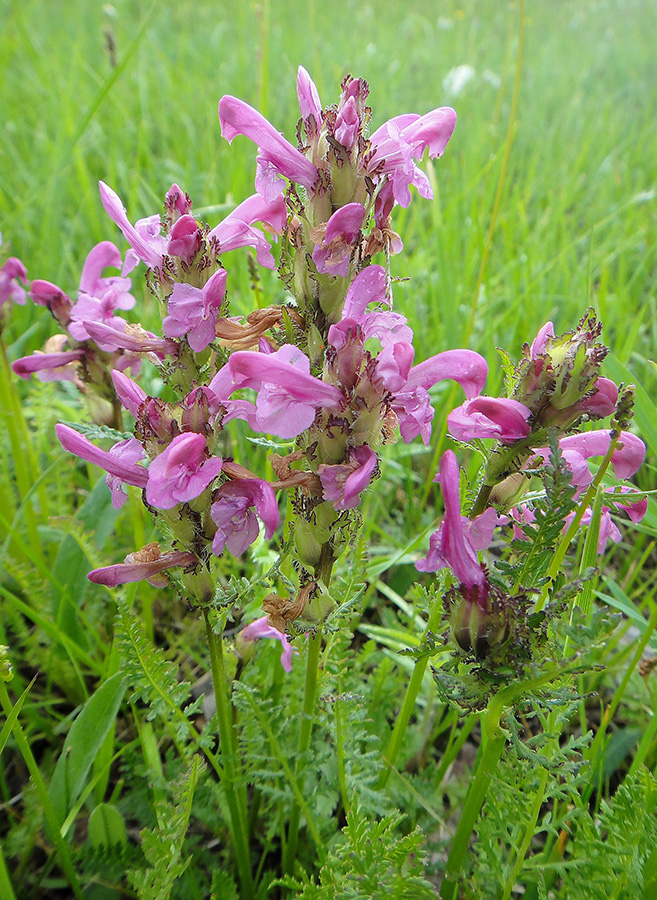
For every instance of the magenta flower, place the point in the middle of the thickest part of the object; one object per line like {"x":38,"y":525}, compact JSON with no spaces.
{"x":412,"y":403}
{"x":343,"y":484}
{"x":194,"y":311}
{"x":288,"y":395}
{"x":128,"y":392}
{"x":308,"y":96}
{"x":626,"y":458}
{"x":98,"y":297}
{"x":236,"y":229}
{"x":55,"y":366}
{"x":261,"y":629}
{"x":403,"y":139}
{"x":120,"y":335}
{"x":490,"y":417}
{"x":129,"y":452}
{"x":276,"y":156}
{"x":75,"y":443}
{"x":233,"y":513}
{"x":147,"y":243}
{"x":12,"y":272}
{"x":181,"y":472}
{"x":333,"y":255}
{"x":455,"y":544}
{"x":138,"y":568}
{"x":602,"y":402}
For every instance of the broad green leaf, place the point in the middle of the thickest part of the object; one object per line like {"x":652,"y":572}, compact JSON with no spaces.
{"x":106,"y":827}
{"x":83,"y":742}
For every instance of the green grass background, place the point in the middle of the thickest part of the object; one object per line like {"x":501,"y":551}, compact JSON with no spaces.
{"x":577,"y":215}
{"x":128,"y":92}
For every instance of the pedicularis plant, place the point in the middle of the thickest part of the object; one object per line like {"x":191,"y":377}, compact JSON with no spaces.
{"x":330,"y":374}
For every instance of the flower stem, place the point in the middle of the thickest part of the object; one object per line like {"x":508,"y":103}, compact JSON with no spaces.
{"x":410,"y":698}
{"x":228,"y":738}
{"x":491,"y":752}
{"x":305,"y":731}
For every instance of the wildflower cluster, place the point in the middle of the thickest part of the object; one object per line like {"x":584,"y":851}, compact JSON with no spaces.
{"x":333,"y":368}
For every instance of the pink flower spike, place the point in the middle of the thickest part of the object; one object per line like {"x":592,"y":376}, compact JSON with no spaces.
{"x":451,"y":546}
{"x":75,"y":443}
{"x":490,"y":417}
{"x":232,"y":513}
{"x":276,"y":155}
{"x":343,"y":484}
{"x":178,"y":474}
{"x":149,"y":247}
{"x":133,"y":570}
{"x":261,"y":629}
{"x":128,"y":392}
{"x":626,"y":458}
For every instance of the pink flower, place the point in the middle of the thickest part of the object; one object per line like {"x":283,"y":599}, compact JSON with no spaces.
{"x":455,"y":544}
{"x":194,"y":311}
{"x":11,"y":273}
{"x":288,"y":395}
{"x":490,"y":417}
{"x":75,"y":443}
{"x":121,"y":336}
{"x":98,"y":297}
{"x":276,"y":155}
{"x":181,"y":472}
{"x":403,"y":139}
{"x":260,"y":629}
{"x":412,"y":403}
{"x":236,"y":229}
{"x":147,"y":243}
{"x":129,"y":452}
{"x":333,"y":255}
{"x":49,"y":366}
{"x":128,"y":392}
{"x":309,"y":102}
{"x":626,"y":458}
{"x":232,"y":512}
{"x":136,"y":568}
{"x":343,"y":484}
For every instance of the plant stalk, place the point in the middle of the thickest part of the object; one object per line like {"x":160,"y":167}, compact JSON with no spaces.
{"x":305,"y":731}
{"x":235,"y":798}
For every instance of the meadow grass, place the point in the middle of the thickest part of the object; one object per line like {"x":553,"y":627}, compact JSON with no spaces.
{"x":543,"y":207}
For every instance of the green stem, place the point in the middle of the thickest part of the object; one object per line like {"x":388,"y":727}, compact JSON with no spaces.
{"x":305,"y":731}
{"x":490,"y":753}
{"x":529,"y":834}
{"x":410,"y":698}
{"x":490,"y":756}
{"x":236,"y":803}
{"x":339,"y":749}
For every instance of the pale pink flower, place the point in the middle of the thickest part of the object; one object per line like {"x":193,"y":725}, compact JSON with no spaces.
{"x":181,"y":472}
